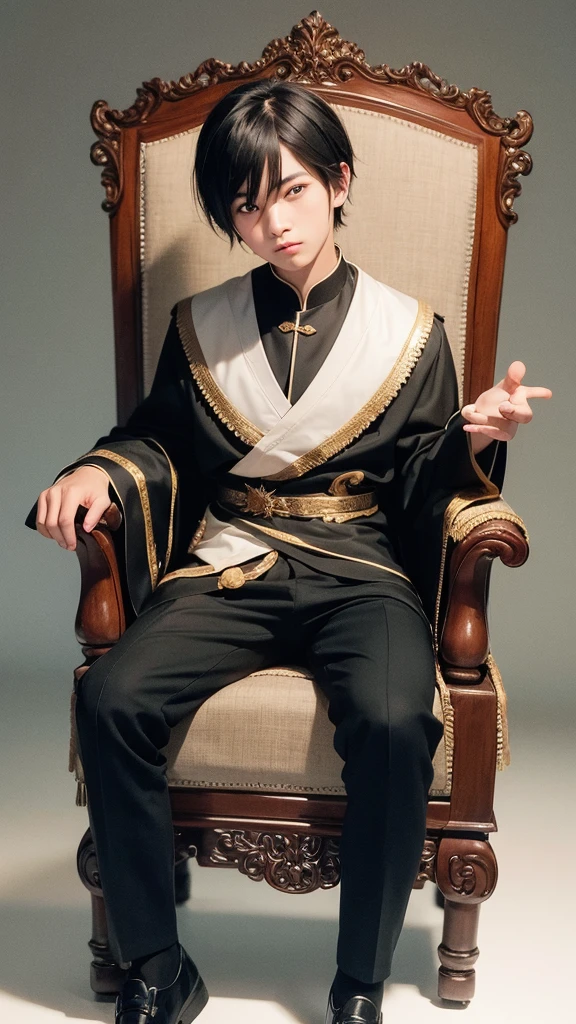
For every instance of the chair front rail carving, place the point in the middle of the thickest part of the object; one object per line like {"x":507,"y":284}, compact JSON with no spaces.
{"x":289,"y":862}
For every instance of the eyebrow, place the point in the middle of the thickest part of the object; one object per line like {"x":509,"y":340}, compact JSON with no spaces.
{"x":241,"y":195}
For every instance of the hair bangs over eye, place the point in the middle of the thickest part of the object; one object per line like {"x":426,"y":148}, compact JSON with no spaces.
{"x":254,"y":154}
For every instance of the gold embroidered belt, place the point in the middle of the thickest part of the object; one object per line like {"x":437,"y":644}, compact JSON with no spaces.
{"x":330,"y":508}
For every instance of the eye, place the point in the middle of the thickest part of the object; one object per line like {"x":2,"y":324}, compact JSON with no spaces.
{"x":240,"y":209}
{"x":296,"y":186}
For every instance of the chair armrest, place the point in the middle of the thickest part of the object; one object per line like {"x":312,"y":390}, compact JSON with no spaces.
{"x":463,"y":625}
{"x":101,"y":616}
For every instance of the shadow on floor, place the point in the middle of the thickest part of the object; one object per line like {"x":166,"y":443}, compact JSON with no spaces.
{"x":288,"y":960}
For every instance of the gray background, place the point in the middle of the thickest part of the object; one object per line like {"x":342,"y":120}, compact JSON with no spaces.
{"x":57,"y":346}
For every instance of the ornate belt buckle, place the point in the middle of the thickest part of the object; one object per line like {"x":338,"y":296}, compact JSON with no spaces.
{"x":260,"y":502}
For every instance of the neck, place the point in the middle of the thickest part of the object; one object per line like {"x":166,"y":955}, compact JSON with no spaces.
{"x":303,"y":279}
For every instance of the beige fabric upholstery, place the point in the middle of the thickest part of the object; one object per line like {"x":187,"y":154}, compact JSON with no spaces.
{"x":269,"y":733}
{"x":410,"y":223}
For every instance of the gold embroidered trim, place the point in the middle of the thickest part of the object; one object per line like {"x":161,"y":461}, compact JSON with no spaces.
{"x":198,"y":534}
{"x":193,"y":570}
{"x":448,"y":716}
{"x":174,"y":485}
{"x":205,"y":570}
{"x":312,"y":547}
{"x":217,"y":400}
{"x":140,"y":481}
{"x":380,"y":400}
{"x":502,"y":740}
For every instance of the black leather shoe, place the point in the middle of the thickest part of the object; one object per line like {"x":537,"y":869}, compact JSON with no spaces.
{"x":356,"y":1010}
{"x":178,"y":1003}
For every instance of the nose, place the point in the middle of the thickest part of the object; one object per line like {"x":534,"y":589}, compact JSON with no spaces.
{"x":278,"y":220}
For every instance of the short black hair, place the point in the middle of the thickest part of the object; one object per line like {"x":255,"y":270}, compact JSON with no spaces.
{"x":244,"y":131}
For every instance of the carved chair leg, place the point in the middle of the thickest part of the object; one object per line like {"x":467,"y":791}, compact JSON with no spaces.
{"x":106,"y":976}
{"x":458,"y":952}
{"x":466,"y":873}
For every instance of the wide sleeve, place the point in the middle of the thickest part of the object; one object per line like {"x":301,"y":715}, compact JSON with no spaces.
{"x":153,"y":473}
{"x":434,"y":462}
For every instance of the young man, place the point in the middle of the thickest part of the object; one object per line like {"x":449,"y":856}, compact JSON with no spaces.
{"x":303,"y":424}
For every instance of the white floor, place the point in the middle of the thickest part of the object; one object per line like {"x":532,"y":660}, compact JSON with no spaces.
{"x":268,"y":958}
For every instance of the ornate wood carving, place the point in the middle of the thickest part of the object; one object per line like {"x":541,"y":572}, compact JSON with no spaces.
{"x":427,"y":869}
{"x":313,"y":53}
{"x":288,"y":862}
{"x":88,"y":865}
{"x":466,"y":870}
{"x":464,"y":642}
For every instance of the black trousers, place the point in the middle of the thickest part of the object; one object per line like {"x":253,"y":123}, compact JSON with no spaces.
{"x":370,"y":650}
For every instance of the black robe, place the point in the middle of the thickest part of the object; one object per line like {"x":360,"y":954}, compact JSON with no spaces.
{"x":165,"y":463}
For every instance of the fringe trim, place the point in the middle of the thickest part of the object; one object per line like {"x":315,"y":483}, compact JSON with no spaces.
{"x":459,"y":530}
{"x":73,"y":759}
{"x":448,"y":715}
{"x":502,"y":742}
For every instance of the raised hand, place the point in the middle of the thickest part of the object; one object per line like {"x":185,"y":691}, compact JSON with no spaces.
{"x":497,"y":412}
{"x":57,"y":505}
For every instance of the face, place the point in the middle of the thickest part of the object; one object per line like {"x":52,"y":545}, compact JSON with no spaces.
{"x":300,"y":212}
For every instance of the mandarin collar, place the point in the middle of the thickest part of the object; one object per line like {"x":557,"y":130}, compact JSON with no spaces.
{"x":328,"y":288}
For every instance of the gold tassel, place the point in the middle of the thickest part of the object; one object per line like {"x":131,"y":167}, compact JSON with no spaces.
{"x":74,"y":762}
{"x":448,"y":715}
{"x":502,"y":741}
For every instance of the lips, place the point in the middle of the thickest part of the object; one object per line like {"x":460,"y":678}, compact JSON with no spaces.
{"x":289,"y":245}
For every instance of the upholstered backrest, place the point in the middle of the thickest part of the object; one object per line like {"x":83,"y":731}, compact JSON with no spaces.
{"x":436,"y":178}
{"x":411,"y":223}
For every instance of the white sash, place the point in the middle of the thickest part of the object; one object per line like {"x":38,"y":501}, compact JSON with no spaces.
{"x":374,"y":333}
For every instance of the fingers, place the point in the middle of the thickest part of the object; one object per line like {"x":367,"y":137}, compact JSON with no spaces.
{"x":41,"y":515}
{"x":517,"y":413}
{"x":538,"y":393}
{"x":53,"y":498}
{"x":57,"y":508}
{"x":495,"y":433}
{"x":506,"y":411}
{"x":470,"y":413}
{"x":514,"y":376}
{"x":96,"y":511}
{"x":61,"y":518}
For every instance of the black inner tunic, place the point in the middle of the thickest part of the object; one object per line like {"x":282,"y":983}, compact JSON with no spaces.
{"x":325,"y":309}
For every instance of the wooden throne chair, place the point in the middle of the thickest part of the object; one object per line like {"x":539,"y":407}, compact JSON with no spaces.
{"x":254,"y":784}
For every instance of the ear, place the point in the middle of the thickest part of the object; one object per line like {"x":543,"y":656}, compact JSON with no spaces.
{"x":341,"y":193}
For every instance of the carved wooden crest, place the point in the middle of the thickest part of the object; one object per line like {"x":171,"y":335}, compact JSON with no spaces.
{"x":313,"y":53}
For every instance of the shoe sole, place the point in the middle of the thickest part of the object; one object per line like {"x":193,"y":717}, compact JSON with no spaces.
{"x":193,"y":1005}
